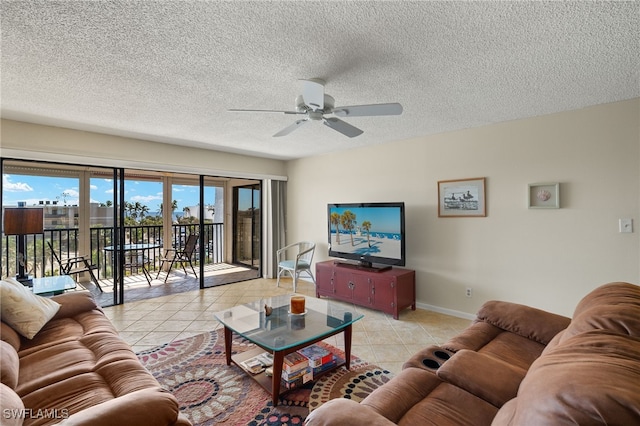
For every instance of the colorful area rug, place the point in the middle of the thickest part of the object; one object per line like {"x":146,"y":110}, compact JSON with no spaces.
{"x":210,"y":392}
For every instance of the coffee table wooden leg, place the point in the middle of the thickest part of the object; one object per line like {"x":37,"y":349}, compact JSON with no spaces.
{"x":347,"y":346}
{"x":228,"y":339}
{"x":278,"y":359}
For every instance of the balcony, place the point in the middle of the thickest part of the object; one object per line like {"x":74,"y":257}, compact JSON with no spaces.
{"x":41,"y":262}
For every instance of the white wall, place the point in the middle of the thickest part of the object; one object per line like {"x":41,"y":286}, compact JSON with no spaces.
{"x":545,"y":257}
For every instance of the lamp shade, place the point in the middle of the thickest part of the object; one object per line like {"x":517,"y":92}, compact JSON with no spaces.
{"x":23,"y":221}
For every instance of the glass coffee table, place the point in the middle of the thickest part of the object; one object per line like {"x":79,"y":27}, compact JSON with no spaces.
{"x":282,"y":333}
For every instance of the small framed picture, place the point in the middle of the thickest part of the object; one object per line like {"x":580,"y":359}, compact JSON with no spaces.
{"x":544,"y":195}
{"x":462,"y":198}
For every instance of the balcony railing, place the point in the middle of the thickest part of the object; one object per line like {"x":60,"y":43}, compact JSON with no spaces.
{"x":40,"y":261}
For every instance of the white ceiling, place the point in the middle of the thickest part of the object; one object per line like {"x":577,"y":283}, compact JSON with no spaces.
{"x":168,"y":70}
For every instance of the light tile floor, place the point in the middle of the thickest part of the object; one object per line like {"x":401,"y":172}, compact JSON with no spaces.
{"x":377,"y":338}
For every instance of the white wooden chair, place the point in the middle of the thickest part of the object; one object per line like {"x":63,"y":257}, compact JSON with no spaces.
{"x":295,"y":259}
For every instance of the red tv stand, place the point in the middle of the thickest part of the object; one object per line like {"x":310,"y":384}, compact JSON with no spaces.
{"x":390,"y":290}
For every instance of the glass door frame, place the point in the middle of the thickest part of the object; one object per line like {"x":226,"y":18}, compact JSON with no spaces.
{"x":236,"y":225}
{"x":118,"y":212}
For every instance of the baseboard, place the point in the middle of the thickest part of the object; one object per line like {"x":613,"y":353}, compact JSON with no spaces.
{"x":446,"y":311}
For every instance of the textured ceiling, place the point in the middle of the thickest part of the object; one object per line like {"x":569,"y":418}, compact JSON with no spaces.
{"x":168,"y":71}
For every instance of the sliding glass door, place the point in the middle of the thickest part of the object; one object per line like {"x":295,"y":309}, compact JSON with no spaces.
{"x":247,"y":229}
{"x":125,"y":222}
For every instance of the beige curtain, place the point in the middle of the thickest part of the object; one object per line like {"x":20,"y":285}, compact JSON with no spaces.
{"x":275,"y":223}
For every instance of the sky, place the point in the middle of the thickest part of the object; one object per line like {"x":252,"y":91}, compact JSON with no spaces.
{"x":33,"y":189}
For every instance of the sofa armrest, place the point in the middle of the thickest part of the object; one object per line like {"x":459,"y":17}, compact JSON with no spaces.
{"x":525,"y":321}
{"x":152,"y":407}
{"x":486,"y":377}
{"x":74,"y":303}
{"x":342,"y":411}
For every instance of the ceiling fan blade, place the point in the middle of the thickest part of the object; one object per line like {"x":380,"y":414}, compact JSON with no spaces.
{"x":265,"y":110}
{"x":291,"y":128}
{"x":368,"y":110}
{"x":342,"y":127}
{"x":313,"y":93}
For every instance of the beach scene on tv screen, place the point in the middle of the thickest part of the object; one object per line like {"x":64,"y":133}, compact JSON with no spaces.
{"x":366,"y":231}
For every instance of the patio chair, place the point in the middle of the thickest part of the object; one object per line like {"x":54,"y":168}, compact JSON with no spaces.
{"x":75,"y":265}
{"x":174,"y":256}
{"x":295,"y":259}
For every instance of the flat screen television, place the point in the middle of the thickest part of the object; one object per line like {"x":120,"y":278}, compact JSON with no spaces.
{"x":370,"y":233}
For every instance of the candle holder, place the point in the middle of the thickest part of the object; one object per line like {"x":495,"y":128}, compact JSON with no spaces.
{"x":297,"y":305}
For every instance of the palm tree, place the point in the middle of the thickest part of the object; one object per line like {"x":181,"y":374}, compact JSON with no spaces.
{"x":335,"y":220}
{"x":137,"y":207}
{"x":143,"y":211}
{"x":348,"y":222}
{"x":366,"y":225}
{"x":128,"y":207}
{"x":174,"y":207}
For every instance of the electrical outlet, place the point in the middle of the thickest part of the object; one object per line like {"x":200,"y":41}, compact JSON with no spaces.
{"x":468,"y":292}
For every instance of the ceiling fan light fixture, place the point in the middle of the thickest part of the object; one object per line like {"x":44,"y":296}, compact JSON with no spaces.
{"x":314,"y":103}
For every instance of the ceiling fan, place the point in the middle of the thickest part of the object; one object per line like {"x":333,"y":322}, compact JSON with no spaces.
{"x":314,"y":104}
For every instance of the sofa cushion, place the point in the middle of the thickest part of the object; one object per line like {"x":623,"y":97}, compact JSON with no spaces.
{"x":11,"y":407}
{"x":24,"y":311}
{"x":418,"y":397}
{"x":612,"y":307}
{"x":496,"y":342}
{"x":73,"y":303}
{"x":450,"y":405}
{"x":9,"y":365}
{"x":590,"y":378}
{"x":525,"y":321}
{"x":609,"y":294}
{"x":486,"y":377}
{"x":150,"y":406}
{"x":402,"y":392}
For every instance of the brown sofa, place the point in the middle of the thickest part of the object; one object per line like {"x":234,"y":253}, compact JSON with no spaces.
{"x":77,"y":371}
{"x":516,"y":365}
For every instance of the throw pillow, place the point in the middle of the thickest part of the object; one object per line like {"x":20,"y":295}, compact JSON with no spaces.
{"x":24,"y":311}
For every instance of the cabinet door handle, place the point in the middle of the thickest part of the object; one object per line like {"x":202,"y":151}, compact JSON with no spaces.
{"x":351,"y":285}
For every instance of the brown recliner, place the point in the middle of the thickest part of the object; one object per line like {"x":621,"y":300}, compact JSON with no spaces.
{"x":516,"y":365}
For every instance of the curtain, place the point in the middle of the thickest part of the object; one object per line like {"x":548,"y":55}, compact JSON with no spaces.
{"x":275,"y":223}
